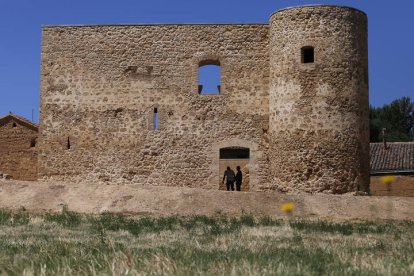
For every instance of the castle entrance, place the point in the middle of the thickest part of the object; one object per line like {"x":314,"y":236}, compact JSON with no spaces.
{"x":233,"y":157}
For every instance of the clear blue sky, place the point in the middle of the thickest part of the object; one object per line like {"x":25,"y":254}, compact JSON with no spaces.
{"x":391,"y":36}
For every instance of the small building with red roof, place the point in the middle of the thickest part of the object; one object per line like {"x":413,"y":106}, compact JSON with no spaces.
{"x":396,"y":159}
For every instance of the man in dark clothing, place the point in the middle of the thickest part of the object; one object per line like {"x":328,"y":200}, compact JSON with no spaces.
{"x":238,"y":178}
{"x":229,"y":175}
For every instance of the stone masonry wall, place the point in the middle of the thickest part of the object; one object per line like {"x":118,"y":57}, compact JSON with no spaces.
{"x":306,"y":125}
{"x":18,"y":155}
{"x":100,"y":85}
{"x":319,"y":111}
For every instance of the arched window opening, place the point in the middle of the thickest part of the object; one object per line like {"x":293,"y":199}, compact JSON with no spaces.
{"x":209,"y":77}
{"x":308,"y":54}
{"x":155,"y":119}
{"x":14,"y":124}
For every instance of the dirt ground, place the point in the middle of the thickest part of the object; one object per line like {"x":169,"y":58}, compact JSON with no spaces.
{"x":42,"y":196}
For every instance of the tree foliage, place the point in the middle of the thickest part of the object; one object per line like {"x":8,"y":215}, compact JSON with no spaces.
{"x":397,"y":118}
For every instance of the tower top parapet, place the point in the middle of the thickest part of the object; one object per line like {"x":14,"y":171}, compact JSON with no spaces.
{"x":318,"y":6}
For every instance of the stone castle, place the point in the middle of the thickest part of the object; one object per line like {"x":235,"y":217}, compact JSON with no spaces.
{"x":122,"y":103}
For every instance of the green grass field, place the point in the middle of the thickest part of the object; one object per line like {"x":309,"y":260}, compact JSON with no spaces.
{"x":73,"y":244}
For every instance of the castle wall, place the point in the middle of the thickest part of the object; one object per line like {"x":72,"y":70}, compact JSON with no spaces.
{"x":305,"y":124}
{"x":18,"y":155}
{"x":318,"y":111}
{"x":100,"y":85}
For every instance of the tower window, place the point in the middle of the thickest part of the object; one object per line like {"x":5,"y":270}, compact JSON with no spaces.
{"x":155,"y":119}
{"x":209,"y":77}
{"x":308,"y":54}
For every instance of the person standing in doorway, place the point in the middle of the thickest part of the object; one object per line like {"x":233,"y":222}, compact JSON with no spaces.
{"x":238,"y":178}
{"x":229,"y":176}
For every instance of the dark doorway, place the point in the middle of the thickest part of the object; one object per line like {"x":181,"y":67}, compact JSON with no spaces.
{"x":233,"y":157}
{"x":234,"y":153}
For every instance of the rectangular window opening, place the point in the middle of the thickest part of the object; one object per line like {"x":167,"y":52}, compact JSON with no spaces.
{"x":308,"y":54}
{"x":234,"y":153}
{"x":155,"y":119}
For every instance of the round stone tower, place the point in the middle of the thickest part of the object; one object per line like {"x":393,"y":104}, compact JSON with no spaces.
{"x":319,"y":129}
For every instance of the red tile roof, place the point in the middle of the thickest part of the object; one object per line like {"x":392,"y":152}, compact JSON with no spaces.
{"x":398,"y":156}
{"x":20,"y":119}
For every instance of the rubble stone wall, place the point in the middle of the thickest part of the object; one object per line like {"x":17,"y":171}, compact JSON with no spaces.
{"x":101,"y":84}
{"x":319,"y":111}
{"x":18,"y":153}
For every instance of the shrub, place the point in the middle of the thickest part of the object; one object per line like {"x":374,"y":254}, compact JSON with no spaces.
{"x":66,"y":218}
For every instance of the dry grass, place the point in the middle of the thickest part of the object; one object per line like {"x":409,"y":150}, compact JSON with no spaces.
{"x":74,"y":244}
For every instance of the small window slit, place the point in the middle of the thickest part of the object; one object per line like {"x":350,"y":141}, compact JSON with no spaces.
{"x":155,"y":119}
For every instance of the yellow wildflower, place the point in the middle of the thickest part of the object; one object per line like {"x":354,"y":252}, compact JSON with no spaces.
{"x":287,"y":207}
{"x":388,"y":179}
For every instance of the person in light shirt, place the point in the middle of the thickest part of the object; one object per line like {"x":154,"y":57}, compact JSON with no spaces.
{"x":229,"y":176}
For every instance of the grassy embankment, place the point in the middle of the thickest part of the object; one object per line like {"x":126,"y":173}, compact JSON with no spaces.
{"x":70,"y":243}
